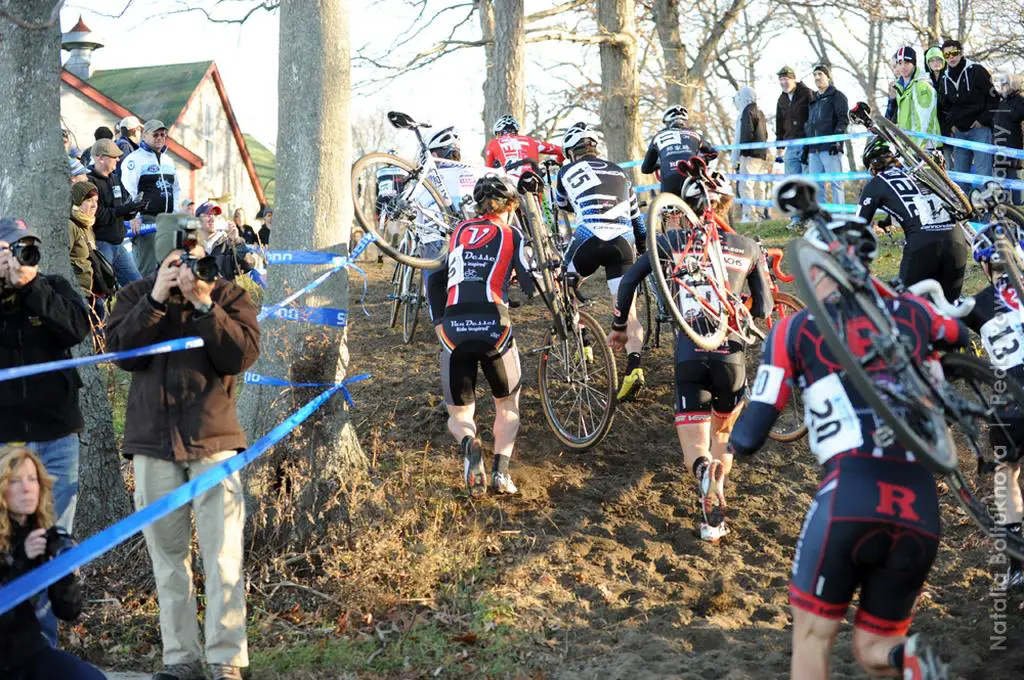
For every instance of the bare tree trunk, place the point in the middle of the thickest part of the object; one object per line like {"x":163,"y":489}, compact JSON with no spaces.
{"x":505,"y":86}
{"x":666,"y":21}
{"x":934,"y":23}
{"x":300,"y":484}
{"x":34,"y":185}
{"x":619,"y":80}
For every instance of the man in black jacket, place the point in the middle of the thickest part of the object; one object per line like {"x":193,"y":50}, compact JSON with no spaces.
{"x":750,"y":127}
{"x":791,"y":118}
{"x":828,"y":114}
{"x":112,"y":212}
{"x":966,"y":101}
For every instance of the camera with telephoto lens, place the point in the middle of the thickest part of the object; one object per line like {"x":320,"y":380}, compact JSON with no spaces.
{"x":58,"y":541}
{"x":204,"y":268}
{"x":27,"y":253}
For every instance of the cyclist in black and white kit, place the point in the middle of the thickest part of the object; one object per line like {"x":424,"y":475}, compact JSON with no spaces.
{"x":608,"y":226}
{"x":996,"y":317}
{"x":874,"y":523}
{"x":476,"y":332}
{"x":936,"y":247}
{"x":710,"y":385}
{"x":676,"y":142}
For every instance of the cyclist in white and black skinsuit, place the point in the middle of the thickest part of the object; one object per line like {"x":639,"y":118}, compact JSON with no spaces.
{"x":608,"y":225}
{"x":936,"y":248}
{"x":676,"y":142}
{"x":996,"y":317}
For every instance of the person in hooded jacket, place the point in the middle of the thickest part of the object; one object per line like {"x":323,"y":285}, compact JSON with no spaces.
{"x":913,"y":101}
{"x":829,"y":114}
{"x":1008,"y":126}
{"x":968,"y":99}
{"x":936,"y":64}
{"x":750,"y":127}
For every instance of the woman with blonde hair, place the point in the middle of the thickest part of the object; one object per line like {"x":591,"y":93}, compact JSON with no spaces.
{"x":28,"y":538}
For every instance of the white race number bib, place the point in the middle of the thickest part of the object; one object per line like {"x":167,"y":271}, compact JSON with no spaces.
{"x":832,"y":423}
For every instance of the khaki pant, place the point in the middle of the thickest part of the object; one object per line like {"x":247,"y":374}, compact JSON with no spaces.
{"x":753,"y":189}
{"x":220,"y":520}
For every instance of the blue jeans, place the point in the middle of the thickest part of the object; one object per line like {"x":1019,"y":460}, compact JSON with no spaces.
{"x":60,"y":458}
{"x":124,"y":264}
{"x":823,"y":161}
{"x":791,"y":163}
{"x":53,"y":663}
{"x":976,"y":162}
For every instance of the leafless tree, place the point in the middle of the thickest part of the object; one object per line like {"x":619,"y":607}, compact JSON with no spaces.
{"x":503,"y":27}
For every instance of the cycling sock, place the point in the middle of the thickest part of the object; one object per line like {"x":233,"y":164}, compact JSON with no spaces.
{"x":896,"y":657}
{"x":699,"y":465}
{"x":501,"y":464}
{"x":632,"y":361}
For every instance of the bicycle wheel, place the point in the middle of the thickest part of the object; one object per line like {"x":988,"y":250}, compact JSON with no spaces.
{"x":993,"y":423}
{"x":1009,"y":263}
{"x":413,"y":301}
{"x":705,"y":325}
{"x":578,"y":387}
{"x":905,"y":401}
{"x":790,"y":425}
{"x":418,"y":200}
{"x":397,"y":277}
{"x":922,"y":166}
{"x":540,"y":240}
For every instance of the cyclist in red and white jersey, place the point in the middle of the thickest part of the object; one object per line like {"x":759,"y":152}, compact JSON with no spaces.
{"x":508,"y":147}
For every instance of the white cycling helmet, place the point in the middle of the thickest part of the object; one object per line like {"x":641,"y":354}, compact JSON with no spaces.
{"x":674,"y":115}
{"x":579,"y":133}
{"x":852,"y":230}
{"x":723,"y":187}
{"x":447,"y":138}
{"x":506,"y":125}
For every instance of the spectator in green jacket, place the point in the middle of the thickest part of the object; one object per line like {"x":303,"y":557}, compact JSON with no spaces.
{"x":913,"y":101}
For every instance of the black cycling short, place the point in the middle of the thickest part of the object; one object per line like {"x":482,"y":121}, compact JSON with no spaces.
{"x":873,"y":525}
{"x":715,"y":384}
{"x":672,"y":184}
{"x":1006,"y":434}
{"x":469,"y":343}
{"x":585,"y":256}
{"x":944,"y":260}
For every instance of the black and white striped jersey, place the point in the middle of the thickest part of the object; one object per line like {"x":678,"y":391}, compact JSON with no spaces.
{"x":601,"y":195}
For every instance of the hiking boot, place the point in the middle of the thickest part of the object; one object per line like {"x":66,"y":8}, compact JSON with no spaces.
{"x":181,"y":671}
{"x":501,"y":483}
{"x":921,"y":661}
{"x":632,"y":383}
{"x":474,"y":471}
{"x":222,"y":671}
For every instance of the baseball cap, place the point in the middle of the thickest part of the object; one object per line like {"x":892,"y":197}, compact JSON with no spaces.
{"x":787,"y":71}
{"x":211,"y":208}
{"x":13,"y":230}
{"x":130,"y":122}
{"x":152,"y":125}
{"x":105,"y":147}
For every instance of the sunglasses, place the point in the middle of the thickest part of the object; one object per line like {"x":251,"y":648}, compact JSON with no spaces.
{"x":952,"y":53}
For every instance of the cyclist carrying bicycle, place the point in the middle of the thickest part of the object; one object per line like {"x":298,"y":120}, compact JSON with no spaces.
{"x":476,"y":331}
{"x":874,"y":522}
{"x":677,"y":141}
{"x":936,"y":247}
{"x":996,"y":317}
{"x":709,"y":385}
{"x":608,"y":226}
{"x":508,"y":149}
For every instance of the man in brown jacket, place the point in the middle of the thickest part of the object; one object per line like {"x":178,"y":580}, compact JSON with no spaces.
{"x":181,"y":421}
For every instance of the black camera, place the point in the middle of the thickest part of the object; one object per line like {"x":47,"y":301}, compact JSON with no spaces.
{"x":58,"y":541}
{"x":203,"y":268}
{"x":26,"y":253}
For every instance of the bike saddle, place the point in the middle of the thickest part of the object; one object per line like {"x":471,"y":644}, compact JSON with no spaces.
{"x":404,"y":121}
{"x":861,"y":113}
{"x":796,"y":195}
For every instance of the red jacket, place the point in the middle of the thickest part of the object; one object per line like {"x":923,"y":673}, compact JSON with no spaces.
{"x":505,"y":148}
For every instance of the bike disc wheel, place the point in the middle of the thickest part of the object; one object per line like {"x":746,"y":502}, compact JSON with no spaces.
{"x":917,"y":425}
{"x":714,"y":328}
{"x":997,"y":422}
{"x":413,"y":301}
{"x":577,"y":394}
{"x":790,"y":425}
{"x":418,"y":199}
{"x":922,"y":166}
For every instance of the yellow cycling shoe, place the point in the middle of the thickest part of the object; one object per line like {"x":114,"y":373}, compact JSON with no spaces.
{"x":632,"y":384}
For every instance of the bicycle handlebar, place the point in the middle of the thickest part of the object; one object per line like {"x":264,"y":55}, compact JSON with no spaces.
{"x":932,"y":291}
{"x":774,"y":257}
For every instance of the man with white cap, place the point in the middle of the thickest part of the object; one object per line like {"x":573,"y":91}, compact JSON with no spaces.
{"x":130,"y":128}
{"x":149,"y":176}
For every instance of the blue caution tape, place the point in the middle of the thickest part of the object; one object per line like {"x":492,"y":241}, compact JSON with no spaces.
{"x":27,"y":585}
{"x":978,"y":180}
{"x":257,"y":379}
{"x":62,"y":364}
{"x":319,"y":316}
{"x":148,"y":229}
{"x":303,"y":257}
{"x":257,"y":278}
{"x":993,"y":149}
{"x":831,"y":207}
{"x":813,"y":176}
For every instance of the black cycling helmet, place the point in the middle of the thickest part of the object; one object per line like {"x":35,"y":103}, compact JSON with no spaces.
{"x":853,"y":231}
{"x":876,"y":152}
{"x":493,"y":185}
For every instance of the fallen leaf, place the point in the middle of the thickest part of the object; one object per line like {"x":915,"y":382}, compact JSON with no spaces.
{"x":466,"y":638}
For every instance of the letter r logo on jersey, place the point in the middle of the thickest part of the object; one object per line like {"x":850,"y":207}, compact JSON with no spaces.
{"x":896,"y":501}
{"x":858,"y":333}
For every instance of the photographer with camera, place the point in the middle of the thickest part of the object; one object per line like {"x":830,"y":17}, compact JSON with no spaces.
{"x":182,"y":422}
{"x":28,"y":538}
{"x":225,"y":246}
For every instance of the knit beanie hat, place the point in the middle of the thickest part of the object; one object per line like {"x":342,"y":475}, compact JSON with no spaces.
{"x":905,"y":54}
{"x":824,"y":68}
{"x":934,"y":53}
{"x":81,"y":191}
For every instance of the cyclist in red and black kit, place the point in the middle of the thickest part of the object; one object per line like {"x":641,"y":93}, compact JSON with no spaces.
{"x":509,"y":147}
{"x":874,"y":522}
{"x":677,"y":141}
{"x":476,"y":332}
{"x":710,"y":385}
